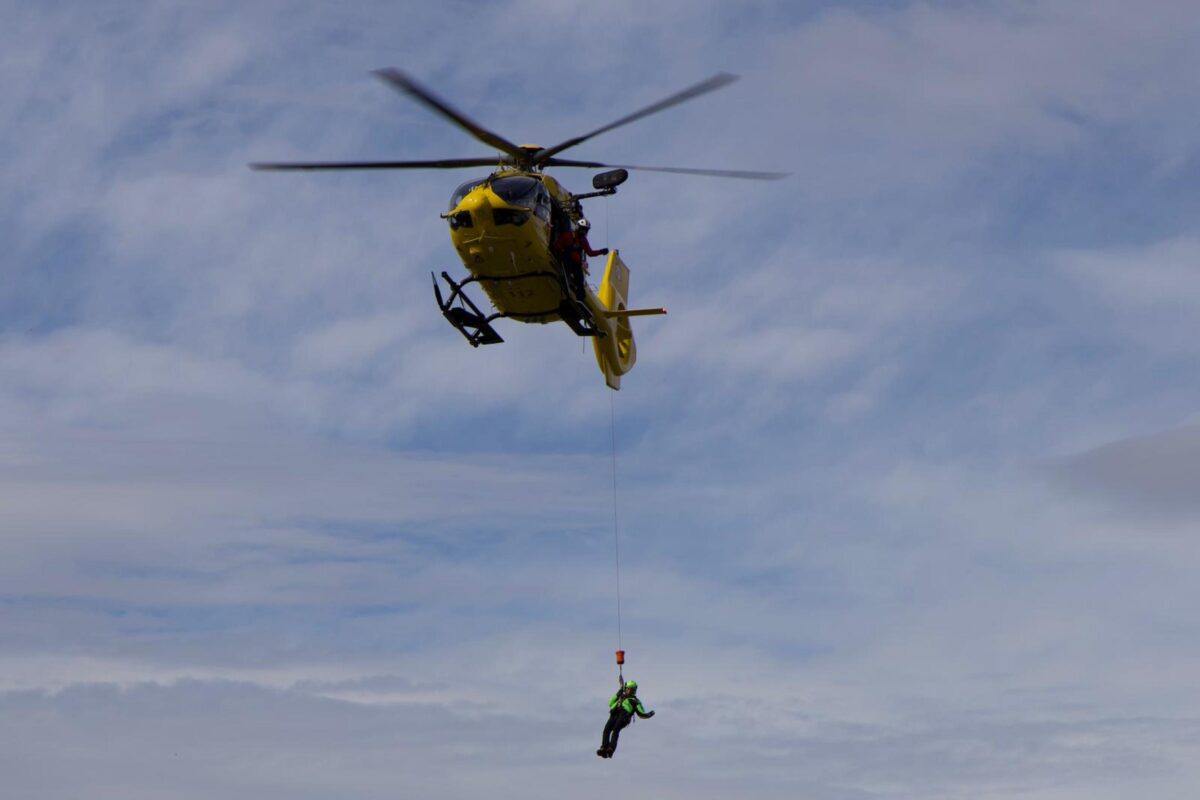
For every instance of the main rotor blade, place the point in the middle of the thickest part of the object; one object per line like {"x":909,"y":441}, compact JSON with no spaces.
{"x":704,"y":87}
{"x":445,"y":163}
{"x":713,"y":173}
{"x":427,"y":98}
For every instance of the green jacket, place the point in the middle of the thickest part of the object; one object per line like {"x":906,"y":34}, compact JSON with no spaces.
{"x":628,"y":703}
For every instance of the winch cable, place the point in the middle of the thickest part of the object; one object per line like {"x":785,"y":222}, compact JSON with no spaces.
{"x":612,"y":407}
{"x":606,"y":220}
{"x":612,"y":419}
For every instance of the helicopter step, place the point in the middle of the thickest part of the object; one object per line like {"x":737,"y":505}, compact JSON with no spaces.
{"x":579,"y":318}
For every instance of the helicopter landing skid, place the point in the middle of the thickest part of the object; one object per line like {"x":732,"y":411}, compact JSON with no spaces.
{"x":466,"y":316}
{"x":476,"y":327}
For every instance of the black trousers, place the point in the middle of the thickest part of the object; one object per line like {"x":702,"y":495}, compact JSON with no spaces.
{"x":574,"y":272}
{"x":618,"y":718}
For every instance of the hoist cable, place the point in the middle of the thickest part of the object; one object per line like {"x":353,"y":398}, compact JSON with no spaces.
{"x":616,"y":528}
{"x":606,"y":221}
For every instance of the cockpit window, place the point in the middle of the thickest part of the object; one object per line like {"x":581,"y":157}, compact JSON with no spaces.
{"x":517,"y":190}
{"x":463,"y":191}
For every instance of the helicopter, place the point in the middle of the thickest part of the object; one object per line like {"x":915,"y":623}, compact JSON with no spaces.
{"x":522,"y":235}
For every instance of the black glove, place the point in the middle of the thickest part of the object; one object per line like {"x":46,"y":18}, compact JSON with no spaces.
{"x":649,"y":714}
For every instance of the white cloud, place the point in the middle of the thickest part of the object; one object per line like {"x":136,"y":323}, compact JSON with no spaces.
{"x":351,"y":342}
{"x":270,"y":528}
{"x":1160,"y":277}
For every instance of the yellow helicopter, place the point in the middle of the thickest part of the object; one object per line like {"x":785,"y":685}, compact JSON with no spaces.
{"x":523,"y":238}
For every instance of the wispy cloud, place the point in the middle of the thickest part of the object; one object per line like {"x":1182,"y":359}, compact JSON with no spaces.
{"x":903,"y":480}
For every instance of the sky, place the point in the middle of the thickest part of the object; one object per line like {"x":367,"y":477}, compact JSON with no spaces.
{"x":906,"y":483}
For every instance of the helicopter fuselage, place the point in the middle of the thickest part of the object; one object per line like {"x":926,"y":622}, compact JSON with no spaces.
{"x":503,"y":229}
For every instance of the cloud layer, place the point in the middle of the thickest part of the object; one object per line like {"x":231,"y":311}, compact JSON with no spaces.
{"x":905,"y":481}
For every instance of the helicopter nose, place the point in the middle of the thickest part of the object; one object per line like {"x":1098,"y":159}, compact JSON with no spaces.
{"x":468,"y":226}
{"x":478,"y":206}
{"x":471,"y":211}
{"x":476,"y":202}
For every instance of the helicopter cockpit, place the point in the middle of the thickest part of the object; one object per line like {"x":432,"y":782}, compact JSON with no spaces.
{"x":517,"y":190}
{"x":524,"y":191}
{"x":464,"y":190}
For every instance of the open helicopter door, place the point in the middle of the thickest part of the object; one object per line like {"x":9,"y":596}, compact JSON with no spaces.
{"x":616,"y":352}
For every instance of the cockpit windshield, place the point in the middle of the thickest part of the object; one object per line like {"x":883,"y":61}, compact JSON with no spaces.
{"x":517,"y":190}
{"x":463,"y":191}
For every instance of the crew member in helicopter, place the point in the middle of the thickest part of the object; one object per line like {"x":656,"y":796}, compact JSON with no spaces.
{"x":570,"y":246}
{"x":621,"y":709}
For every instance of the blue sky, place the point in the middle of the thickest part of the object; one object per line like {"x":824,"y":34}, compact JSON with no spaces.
{"x":907,"y":479}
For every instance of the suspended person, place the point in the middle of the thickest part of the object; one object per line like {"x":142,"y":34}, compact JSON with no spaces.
{"x":570,"y":246}
{"x":581,"y":233}
{"x":621,"y":708}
